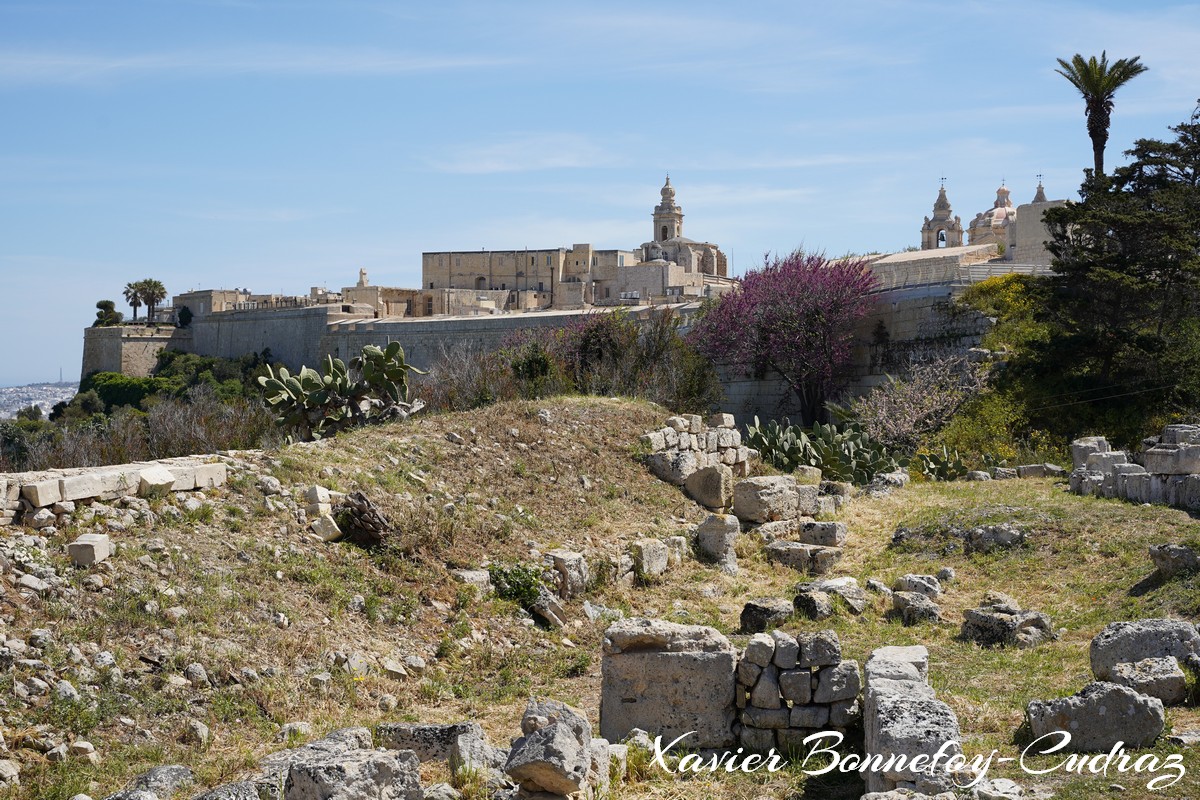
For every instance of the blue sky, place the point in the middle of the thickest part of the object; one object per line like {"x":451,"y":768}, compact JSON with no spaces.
{"x":282,"y":145}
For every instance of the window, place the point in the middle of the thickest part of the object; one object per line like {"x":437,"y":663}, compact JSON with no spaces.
{"x":620,"y":261}
{"x":607,"y":292}
{"x":458,"y":261}
{"x":431,"y":284}
{"x":541,"y":288}
{"x":664,"y":233}
{"x":502,"y":286}
{"x":531,"y":258}
{"x":547,"y":259}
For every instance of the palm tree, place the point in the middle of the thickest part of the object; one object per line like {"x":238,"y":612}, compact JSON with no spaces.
{"x":133,"y":296}
{"x":1098,"y":81}
{"x":152,"y":293}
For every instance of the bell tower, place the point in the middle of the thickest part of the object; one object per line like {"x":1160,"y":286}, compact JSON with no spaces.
{"x":668,"y":217}
{"x":943,"y":230}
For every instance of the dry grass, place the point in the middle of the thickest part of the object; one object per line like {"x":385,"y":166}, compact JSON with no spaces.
{"x":574,"y":483}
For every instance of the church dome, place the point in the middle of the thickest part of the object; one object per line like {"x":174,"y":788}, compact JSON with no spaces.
{"x":668,"y":191}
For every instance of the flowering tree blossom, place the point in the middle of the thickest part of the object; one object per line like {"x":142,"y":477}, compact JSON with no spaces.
{"x":794,"y":316}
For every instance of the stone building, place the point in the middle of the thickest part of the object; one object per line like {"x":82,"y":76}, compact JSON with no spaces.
{"x":943,"y":230}
{"x":1018,"y":233}
{"x":665,"y":269}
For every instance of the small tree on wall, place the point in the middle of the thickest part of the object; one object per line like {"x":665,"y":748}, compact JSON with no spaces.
{"x":107,"y":314}
{"x":794,"y":316}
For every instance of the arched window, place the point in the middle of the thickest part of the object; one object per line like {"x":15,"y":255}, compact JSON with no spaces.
{"x":664,"y":233}
{"x":941,"y":238}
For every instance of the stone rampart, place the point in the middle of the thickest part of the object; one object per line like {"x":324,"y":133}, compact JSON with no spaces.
{"x":39,"y":499}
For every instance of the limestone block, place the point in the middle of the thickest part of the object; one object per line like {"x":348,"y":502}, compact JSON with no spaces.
{"x":927,"y":585}
{"x":210,"y":476}
{"x":1000,"y":621}
{"x":796,"y":685}
{"x":819,"y":648}
{"x":763,"y":613}
{"x":809,"y":501}
{"x":711,"y":487}
{"x":715,"y":538}
{"x":909,"y":726}
{"x":671,"y":437}
{"x":846,"y":588}
{"x":572,"y":570}
{"x":678,"y":424}
{"x":1099,"y":716}
{"x":807,"y":476}
{"x":1130,"y":642}
{"x":673,"y":467}
{"x":155,"y":481}
{"x":649,"y":673}
{"x":760,"y":649}
{"x":721,"y":421}
{"x":369,"y":773}
{"x":1174,"y":559}
{"x":42,"y":493}
{"x":787,"y":650}
{"x":119,"y":481}
{"x":757,"y":739}
{"x":1181,"y":434}
{"x":844,"y":713}
{"x":1082,"y":448}
{"x":650,"y":557}
{"x":791,"y":554}
{"x":695,"y":423}
{"x":42,"y":518}
{"x":553,"y":755}
{"x":1156,"y":677}
{"x":89,"y":549}
{"x":767,"y":718}
{"x":326,"y":528}
{"x":430,"y":742}
{"x":813,"y":604}
{"x":765,"y":693}
{"x":766,"y":499}
{"x":842,"y":681}
{"x":915,"y":608}
{"x":1031,"y":471}
{"x":1004,"y":474}
{"x":654,"y":441}
{"x":882,"y":660}
{"x":81,"y":487}
{"x":809,"y":716}
{"x":1104,"y":462}
{"x":826,"y":534}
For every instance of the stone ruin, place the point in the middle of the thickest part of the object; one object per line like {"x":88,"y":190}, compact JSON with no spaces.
{"x":790,"y":687}
{"x":650,"y":672}
{"x":1137,"y":670}
{"x":685,"y":444}
{"x":902,"y":716}
{"x":42,"y":499}
{"x":1169,"y":472}
{"x":555,"y":756}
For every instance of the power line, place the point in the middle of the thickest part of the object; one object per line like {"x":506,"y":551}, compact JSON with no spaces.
{"x":1108,"y":397}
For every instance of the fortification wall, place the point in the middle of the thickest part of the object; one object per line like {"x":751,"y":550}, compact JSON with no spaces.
{"x":292,"y":334}
{"x":130,"y":350}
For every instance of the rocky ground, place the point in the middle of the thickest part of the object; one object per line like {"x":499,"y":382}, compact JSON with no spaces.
{"x":222,"y":630}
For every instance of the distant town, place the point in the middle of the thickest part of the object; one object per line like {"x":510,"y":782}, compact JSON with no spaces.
{"x":42,"y":395}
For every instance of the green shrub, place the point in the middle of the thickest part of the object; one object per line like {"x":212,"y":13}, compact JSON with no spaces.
{"x":519,"y":583}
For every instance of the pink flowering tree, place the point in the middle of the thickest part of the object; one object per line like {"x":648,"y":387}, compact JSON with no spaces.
{"x":794,"y":316}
